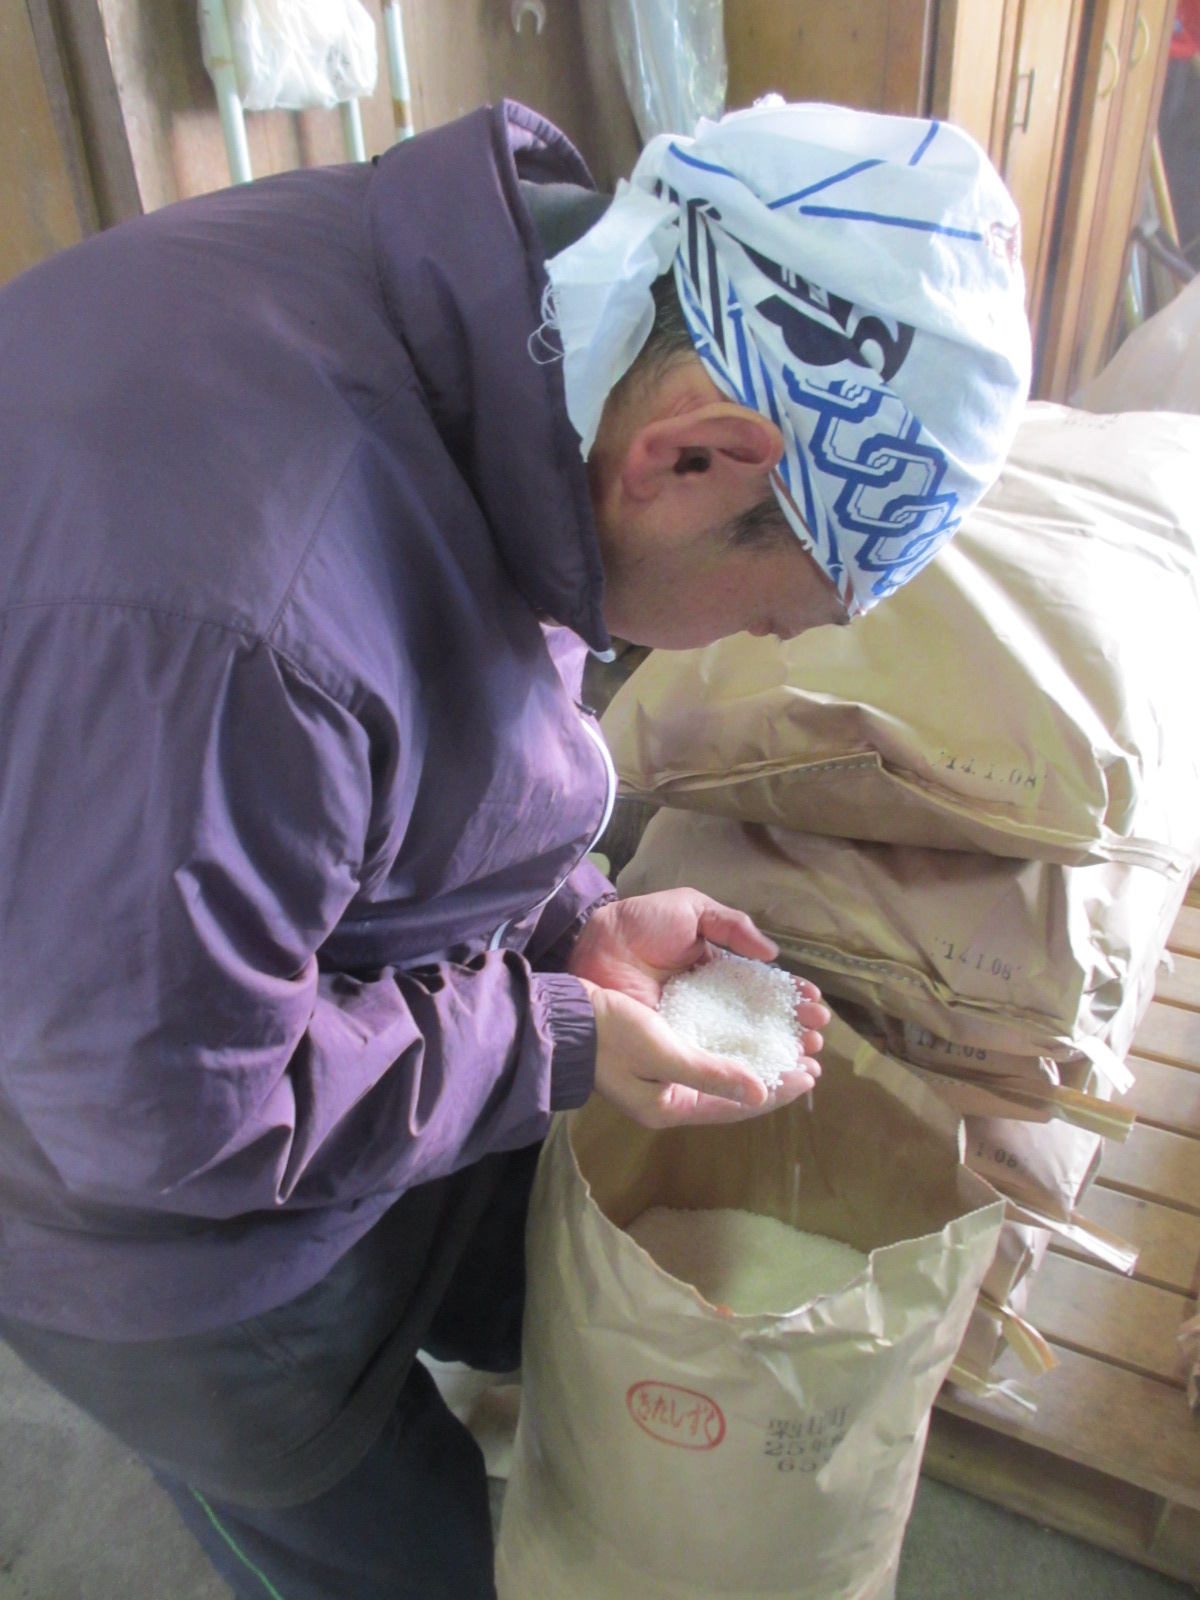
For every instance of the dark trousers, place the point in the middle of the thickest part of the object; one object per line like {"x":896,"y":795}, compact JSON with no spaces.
{"x":411,"y":1522}
{"x":305,"y":1449}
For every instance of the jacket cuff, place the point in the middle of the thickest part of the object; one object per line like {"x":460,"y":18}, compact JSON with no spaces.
{"x":572,"y":1025}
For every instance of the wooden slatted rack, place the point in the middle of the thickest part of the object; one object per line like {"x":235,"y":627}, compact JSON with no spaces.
{"x":1112,"y":1454}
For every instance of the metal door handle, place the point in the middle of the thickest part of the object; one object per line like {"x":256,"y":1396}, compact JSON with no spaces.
{"x":1141,"y":32}
{"x":1109,"y":53}
{"x":1022,"y":122}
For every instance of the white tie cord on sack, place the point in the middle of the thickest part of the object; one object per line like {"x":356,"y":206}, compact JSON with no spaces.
{"x":288,"y":55}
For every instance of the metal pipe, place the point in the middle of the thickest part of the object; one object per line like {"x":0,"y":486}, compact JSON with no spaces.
{"x":1161,"y":191}
{"x":352,"y":130}
{"x":214,"y":25}
{"x":393,"y":29}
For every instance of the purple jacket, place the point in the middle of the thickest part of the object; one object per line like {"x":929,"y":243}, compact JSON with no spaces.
{"x":294,"y":787}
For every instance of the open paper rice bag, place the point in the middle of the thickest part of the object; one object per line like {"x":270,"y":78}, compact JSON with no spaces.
{"x":1030,"y":694}
{"x":671,"y":1449}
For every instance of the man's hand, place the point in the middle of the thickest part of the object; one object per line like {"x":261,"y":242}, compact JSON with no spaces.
{"x":624,"y":956}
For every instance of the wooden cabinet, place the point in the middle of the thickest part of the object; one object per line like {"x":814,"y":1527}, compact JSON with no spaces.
{"x":1119,"y":92}
{"x":1031,"y":146}
{"x":1062,"y":94}
{"x":869,"y":53}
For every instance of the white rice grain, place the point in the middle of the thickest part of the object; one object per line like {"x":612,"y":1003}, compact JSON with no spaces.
{"x":741,"y":1009}
{"x":745,"y":1263}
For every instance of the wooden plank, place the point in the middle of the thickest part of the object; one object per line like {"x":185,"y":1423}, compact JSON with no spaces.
{"x":58,"y":88}
{"x":1185,"y":935}
{"x":97,"y":105}
{"x":1167,"y":1239}
{"x":865,"y":53}
{"x":1081,"y":205}
{"x":1164,"y":1094}
{"x":967,"y":64}
{"x":1038,"y":116}
{"x":1169,"y":1033}
{"x":459,"y":56}
{"x":37,"y":198}
{"x":1036,"y":1483}
{"x":1145,"y":39}
{"x":1156,"y":1164}
{"x":1100,"y":1416}
{"x":1088,"y":1308}
{"x":1177,"y":1538}
{"x":1180,"y":987}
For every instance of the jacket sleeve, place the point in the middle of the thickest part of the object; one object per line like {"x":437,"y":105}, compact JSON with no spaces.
{"x":563,"y":919}
{"x":188,"y":829}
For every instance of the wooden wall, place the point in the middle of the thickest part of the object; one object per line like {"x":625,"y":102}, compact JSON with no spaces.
{"x":461,"y":53}
{"x":38,"y":210}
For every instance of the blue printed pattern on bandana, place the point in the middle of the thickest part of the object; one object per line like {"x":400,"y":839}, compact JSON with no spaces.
{"x":855,"y":278}
{"x":856,"y":458}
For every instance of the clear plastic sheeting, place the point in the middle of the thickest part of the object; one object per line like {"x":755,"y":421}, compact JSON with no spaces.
{"x":672,"y":57}
{"x":295,"y":55}
{"x":1158,"y":366}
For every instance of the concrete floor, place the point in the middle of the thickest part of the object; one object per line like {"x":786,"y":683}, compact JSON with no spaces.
{"x":81,"y":1520}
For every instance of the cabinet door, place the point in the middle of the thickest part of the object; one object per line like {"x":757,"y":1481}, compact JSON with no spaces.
{"x":1099,"y":77}
{"x":968,"y":75}
{"x":1143,"y":50}
{"x":1038,"y":114}
{"x":874,"y":54}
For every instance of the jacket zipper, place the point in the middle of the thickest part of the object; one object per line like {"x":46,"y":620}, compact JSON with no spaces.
{"x":610,"y":799}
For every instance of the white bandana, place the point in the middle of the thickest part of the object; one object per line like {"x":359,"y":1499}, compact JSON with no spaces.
{"x":854,"y":277}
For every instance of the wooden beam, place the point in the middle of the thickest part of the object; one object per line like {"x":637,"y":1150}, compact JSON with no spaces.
{"x":38,"y":206}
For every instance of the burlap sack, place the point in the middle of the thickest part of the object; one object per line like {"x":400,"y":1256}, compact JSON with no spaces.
{"x":670,"y":1450}
{"x":1030,"y":694}
{"x":1024,"y":958}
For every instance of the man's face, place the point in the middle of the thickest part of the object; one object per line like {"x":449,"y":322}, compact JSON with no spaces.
{"x":681,"y":593}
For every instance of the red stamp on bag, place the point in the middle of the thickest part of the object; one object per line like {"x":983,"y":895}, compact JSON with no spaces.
{"x":682,"y":1417}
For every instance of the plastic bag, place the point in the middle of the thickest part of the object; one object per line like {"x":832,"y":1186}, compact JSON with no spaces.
{"x":1158,"y":366}
{"x":293,"y":55}
{"x":672,"y":57}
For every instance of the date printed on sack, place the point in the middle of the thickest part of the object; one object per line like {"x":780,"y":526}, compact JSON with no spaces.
{"x":986,"y":962}
{"x":1007,"y":780}
{"x":805,"y":1444}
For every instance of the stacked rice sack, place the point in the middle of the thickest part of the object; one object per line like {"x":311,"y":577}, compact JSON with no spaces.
{"x":973,"y":815}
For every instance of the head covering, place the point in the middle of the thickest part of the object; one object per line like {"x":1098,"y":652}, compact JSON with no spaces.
{"x":854,"y":277}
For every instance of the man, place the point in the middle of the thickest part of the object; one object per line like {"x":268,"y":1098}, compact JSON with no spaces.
{"x":300,"y":950}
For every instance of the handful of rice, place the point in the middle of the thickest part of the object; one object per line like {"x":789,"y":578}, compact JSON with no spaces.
{"x":744,"y":1010}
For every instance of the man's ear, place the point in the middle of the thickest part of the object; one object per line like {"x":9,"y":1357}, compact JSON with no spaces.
{"x":723,"y":438}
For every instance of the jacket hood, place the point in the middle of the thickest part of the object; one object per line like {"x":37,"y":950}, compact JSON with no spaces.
{"x":462,"y":271}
